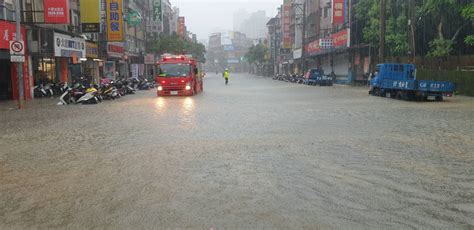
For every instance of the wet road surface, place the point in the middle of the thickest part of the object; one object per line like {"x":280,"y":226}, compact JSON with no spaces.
{"x":257,"y":153}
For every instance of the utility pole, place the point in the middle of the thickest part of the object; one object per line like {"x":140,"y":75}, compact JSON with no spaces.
{"x":303,"y":34}
{"x":21,"y":91}
{"x":412,"y":24}
{"x":382,"y":32}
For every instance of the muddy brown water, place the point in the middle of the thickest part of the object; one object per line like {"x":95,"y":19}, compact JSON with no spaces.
{"x":257,"y":153}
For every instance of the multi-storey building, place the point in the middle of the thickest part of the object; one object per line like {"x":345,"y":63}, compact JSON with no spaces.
{"x":274,"y":37}
{"x":254,"y":25}
{"x":68,"y":40}
{"x":227,"y":49}
{"x":327,"y":38}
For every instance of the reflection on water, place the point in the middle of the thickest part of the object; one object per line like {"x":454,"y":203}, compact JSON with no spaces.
{"x":187,"y":115}
{"x":188,"y":105}
{"x":160,"y":104}
{"x":182,"y":107}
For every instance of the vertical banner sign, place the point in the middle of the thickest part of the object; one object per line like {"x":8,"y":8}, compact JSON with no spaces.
{"x":114,"y":21}
{"x":90,"y":16}
{"x":338,"y":12}
{"x":56,"y":11}
{"x":157,"y":13}
{"x":155,"y":21}
{"x":286,"y":25}
{"x":181,"y":27}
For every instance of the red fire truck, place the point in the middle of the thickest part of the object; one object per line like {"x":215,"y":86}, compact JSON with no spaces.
{"x":178,"y":75}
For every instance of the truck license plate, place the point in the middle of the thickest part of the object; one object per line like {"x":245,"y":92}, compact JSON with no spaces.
{"x":174,"y":93}
{"x":431,"y":98}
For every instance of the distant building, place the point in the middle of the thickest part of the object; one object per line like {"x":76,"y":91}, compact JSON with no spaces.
{"x":239,"y":17}
{"x":255,"y":25}
{"x":174,"y":20}
{"x":227,"y":50}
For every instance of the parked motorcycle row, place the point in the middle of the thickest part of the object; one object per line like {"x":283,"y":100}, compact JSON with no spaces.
{"x":313,"y":77}
{"x":84,"y":92}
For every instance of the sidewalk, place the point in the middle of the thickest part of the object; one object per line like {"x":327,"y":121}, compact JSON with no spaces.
{"x":11,"y":105}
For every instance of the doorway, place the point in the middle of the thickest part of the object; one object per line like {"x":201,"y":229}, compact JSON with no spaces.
{"x":6,"y":90}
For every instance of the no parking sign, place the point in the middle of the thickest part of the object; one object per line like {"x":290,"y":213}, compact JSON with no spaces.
{"x":17,"y":51}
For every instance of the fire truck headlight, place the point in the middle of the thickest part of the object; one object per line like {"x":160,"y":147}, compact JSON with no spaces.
{"x":188,"y":86}
{"x":160,"y":88}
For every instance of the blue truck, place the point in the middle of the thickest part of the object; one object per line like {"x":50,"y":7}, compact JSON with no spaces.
{"x":398,"y":81}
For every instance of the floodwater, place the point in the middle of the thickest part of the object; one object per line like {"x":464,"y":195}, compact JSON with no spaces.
{"x":256,"y":153}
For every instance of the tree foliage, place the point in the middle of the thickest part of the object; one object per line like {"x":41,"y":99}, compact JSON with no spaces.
{"x":176,"y":45}
{"x":441,"y":27}
{"x":256,"y":54}
{"x":440,"y":47}
{"x":468,"y":13}
{"x":368,"y":13}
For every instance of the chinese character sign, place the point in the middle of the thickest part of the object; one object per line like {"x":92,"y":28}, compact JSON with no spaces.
{"x":338,"y":12}
{"x":114,"y":20}
{"x":56,"y":11}
{"x":90,"y":16}
{"x":157,"y":14}
{"x":286,"y":19}
{"x":8,"y":33}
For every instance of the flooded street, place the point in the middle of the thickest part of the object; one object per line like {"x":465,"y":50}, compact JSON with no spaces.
{"x":257,"y":153}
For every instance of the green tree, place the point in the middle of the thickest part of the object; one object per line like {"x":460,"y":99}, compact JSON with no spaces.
{"x":256,"y":54}
{"x":449,"y":24}
{"x":367,"y":12}
{"x":441,"y":26}
{"x":174,"y":44}
{"x":468,"y":13}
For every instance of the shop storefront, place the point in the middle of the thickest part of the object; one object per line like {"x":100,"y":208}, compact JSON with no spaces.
{"x":137,"y":66}
{"x":8,"y":70}
{"x":297,"y":65}
{"x":332,"y":55}
{"x":150,"y":66}
{"x":115,"y":66}
{"x":68,"y":53}
{"x":92,"y":63}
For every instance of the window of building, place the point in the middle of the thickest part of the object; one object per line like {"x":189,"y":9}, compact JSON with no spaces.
{"x":44,"y":70}
{"x":6,"y":11}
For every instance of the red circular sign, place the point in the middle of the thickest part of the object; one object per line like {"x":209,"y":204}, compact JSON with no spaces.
{"x":16,"y":47}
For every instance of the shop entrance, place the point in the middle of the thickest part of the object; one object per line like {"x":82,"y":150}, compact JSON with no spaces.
{"x":6,"y":90}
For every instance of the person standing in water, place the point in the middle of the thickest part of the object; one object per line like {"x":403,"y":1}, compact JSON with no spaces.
{"x":226,"y":76}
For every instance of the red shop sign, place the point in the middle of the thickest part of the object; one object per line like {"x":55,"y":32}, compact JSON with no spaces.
{"x":8,"y":33}
{"x":56,"y":11}
{"x":115,"y":48}
{"x":340,"y":38}
{"x":313,"y":47}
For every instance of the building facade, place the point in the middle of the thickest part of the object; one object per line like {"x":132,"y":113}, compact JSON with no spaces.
{"x":71,"y":40}
{"x":327,"y":39}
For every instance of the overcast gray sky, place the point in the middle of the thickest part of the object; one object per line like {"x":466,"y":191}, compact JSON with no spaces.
{"x":205,"y":16}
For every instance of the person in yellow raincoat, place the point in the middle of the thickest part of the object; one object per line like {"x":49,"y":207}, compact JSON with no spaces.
{"x":226,"y":76}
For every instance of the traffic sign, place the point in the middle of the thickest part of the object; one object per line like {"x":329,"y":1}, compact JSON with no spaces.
{"x":17,"y":48}
{"x":17,"y":58}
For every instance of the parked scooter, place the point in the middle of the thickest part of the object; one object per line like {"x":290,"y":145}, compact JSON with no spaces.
{"x":109,"y":92}
{"x":67,"y":97}
{"x":90,"y":96}
{"x":143,"y":84}
{"x":128,"y":87}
